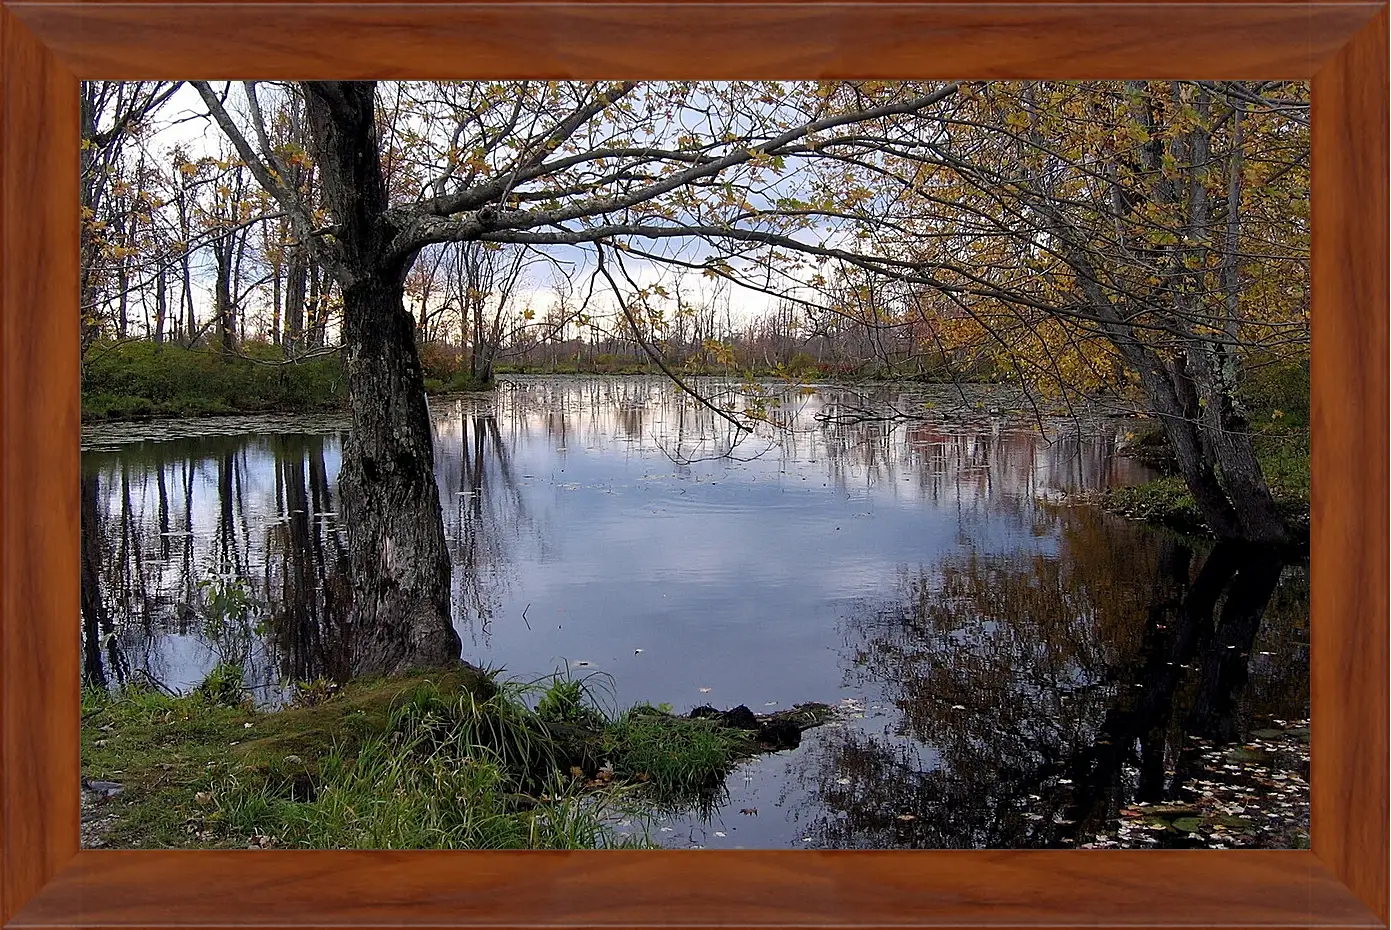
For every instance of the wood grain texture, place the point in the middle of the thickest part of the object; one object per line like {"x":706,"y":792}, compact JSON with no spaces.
{"x":38,"y":464}
{"x":756,"y":889}
{"x":1349,"y":635}
{"x":682,"y":40}
{"x":1342,"y":882}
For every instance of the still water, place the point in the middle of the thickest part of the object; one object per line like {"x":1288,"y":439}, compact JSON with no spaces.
{"x":908,"y":554}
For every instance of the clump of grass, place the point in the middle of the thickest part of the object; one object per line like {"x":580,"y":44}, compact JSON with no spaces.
{"x":225,"y":685}
{"x":450,"y":772}
{"x":678,"y":757}
{"x":452,"y":759}
{"x":1165,"y":500}
{"x":571,"y":701}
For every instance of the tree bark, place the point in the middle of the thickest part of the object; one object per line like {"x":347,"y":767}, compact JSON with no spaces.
{"x":296,"y":277}
{"x":161,"y":303}
{"x":398,"y":565}
{"x":224,"y":306}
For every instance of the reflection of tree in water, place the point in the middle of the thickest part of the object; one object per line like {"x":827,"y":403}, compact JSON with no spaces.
{"x":982,"y":467}
{"x":1037,"y":694}
{"x":161,"y":517}
{"x":126,"y":561}
{"x":98,"y":630}
{"x":305,"y":567}
{"x":483,"y":509}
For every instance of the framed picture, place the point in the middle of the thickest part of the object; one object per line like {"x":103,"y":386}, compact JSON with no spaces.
{"x":47,"y":48}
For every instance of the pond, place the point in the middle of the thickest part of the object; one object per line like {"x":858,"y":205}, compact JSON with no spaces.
{"x":1012,"y":666}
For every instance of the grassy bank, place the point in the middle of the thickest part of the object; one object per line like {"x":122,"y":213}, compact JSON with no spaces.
{"x":1284,"y":460}
{"x":140,"y":380}
{"x":452,"y":759}
{"x":136,"y":380}
{"x":1277,"y":398}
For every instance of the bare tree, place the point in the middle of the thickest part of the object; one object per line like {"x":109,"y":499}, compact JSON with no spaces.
{"x":526,"y":163}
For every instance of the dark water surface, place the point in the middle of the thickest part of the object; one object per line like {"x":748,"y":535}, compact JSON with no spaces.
{"x":1010,"y":668}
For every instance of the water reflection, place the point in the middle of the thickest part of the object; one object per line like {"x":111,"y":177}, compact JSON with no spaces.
{"x":1023,"y":666}
{"x":1035,"y":696}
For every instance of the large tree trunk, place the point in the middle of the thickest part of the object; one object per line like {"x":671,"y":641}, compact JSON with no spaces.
{"x":1211,"y":441}
{"x":399,"y":567}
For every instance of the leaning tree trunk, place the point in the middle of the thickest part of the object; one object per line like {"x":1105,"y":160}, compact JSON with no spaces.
{"x":399,"y":567}
{"x":1212,"y":447}
{"x":1211,"y":441}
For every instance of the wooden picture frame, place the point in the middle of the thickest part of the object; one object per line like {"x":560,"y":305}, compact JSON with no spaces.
{"x":48,"y":45}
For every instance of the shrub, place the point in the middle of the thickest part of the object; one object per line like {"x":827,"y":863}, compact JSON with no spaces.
{"x":1276,"y":391}
{"x":440,"y":360}
{"x":142,"y":379}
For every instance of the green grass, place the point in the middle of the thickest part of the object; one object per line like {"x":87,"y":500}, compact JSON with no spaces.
{"x":142,"y":379}
{"x":679,"y":758}
{"x":449,"y":759}
{"x":164,"y":750}
{"x":449,"y":771}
